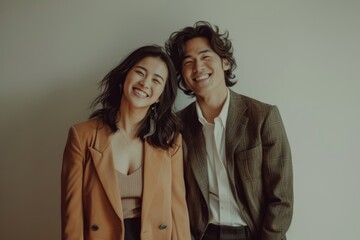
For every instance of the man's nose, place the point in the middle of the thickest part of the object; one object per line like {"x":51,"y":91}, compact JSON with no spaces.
{"x":198,"y":66}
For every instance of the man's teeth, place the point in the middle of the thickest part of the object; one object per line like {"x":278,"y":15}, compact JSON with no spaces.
{"x":202,"y":77}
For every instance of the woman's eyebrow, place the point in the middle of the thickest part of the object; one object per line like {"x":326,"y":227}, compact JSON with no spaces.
{"x":157,"y":75}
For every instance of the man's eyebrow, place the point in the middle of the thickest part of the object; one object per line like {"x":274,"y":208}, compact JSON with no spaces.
{"x":205,"y":51}
{"x":157,"y":75}
{"x":200,"y":52}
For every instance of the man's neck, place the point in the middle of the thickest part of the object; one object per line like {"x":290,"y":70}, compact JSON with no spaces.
{"x":212,"y":104}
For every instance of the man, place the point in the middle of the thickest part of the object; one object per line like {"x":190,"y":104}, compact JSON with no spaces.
{"x":238,"y":168}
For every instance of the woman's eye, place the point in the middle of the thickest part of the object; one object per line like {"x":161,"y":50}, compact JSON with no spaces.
{"x":156,"y":81}
{"x":140,"y":73}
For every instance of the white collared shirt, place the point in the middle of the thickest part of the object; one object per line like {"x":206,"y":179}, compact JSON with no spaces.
{"x":223,"y":208}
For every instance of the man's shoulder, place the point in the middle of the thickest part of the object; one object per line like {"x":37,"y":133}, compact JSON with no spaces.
{"x":189,"y":110}
{"x":250,"y":103}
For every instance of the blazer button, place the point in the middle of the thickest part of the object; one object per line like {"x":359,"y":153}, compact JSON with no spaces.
{"x":162,"y":226}
{"x":94,"y":227}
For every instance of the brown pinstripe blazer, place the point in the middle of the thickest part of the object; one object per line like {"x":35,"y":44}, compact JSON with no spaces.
{"x":90,"y":198}
{"x":258,"y":165}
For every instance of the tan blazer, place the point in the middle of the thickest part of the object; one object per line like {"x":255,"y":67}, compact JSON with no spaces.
{"x":258,"y":164}
{"x":90,"y":198}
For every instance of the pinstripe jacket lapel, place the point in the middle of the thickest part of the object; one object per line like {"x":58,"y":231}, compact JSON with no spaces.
{"x":235,"y":127}
{"x":196,"y":150}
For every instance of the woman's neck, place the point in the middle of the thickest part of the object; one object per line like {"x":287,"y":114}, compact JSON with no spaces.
{"x":128,"y":120}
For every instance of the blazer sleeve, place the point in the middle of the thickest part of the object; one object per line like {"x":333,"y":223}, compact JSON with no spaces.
{"x":71,"y":188}
{"x":180,"y":216}
{"x":278,"y":177}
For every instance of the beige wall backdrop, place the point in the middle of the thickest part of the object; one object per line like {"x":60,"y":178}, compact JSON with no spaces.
{"x":303,"y":56}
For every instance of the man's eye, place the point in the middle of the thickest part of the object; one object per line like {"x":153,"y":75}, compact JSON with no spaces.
{"x":188,"y":62}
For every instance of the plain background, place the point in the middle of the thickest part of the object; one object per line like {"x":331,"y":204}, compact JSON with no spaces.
{"x":303,"y":56}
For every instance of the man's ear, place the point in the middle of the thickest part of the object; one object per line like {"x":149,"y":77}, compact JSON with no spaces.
{"x":225,"y":64}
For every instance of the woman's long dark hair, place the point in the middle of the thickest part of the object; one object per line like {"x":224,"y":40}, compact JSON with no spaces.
{"x":219,"y":43}
{"x":166,"y":122}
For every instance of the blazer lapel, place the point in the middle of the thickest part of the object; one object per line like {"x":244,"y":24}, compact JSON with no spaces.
{"x":154,"y":159}
{"x":103,"y":161}
{"x":235,"y":127}
{"x":196,"y":150}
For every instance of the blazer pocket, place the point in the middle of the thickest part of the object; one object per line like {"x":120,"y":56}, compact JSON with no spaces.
{"x":249,"y":163}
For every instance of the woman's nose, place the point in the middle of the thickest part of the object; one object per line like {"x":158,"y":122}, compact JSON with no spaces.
{"x":145,"y":82}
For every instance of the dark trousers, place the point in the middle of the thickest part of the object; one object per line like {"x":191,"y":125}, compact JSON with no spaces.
{"x":132,"y":228}
{"x":217,"y":232}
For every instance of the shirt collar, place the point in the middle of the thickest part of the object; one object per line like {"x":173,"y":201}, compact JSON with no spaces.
{"x":223,"y":113}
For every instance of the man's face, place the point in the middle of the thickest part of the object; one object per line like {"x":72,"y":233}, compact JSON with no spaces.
{"x":202,"y":69}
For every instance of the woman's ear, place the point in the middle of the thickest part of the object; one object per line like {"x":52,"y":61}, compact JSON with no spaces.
{"x":225,"y":64}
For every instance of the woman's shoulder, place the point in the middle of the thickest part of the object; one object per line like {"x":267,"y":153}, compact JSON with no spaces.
{"x":88,"y":124}
{"x":89,"y":127}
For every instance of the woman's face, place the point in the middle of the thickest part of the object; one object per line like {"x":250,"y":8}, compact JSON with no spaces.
{"x":145,"y":82}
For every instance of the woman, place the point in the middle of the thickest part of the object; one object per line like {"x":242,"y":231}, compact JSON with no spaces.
{"x":122,"y":173}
